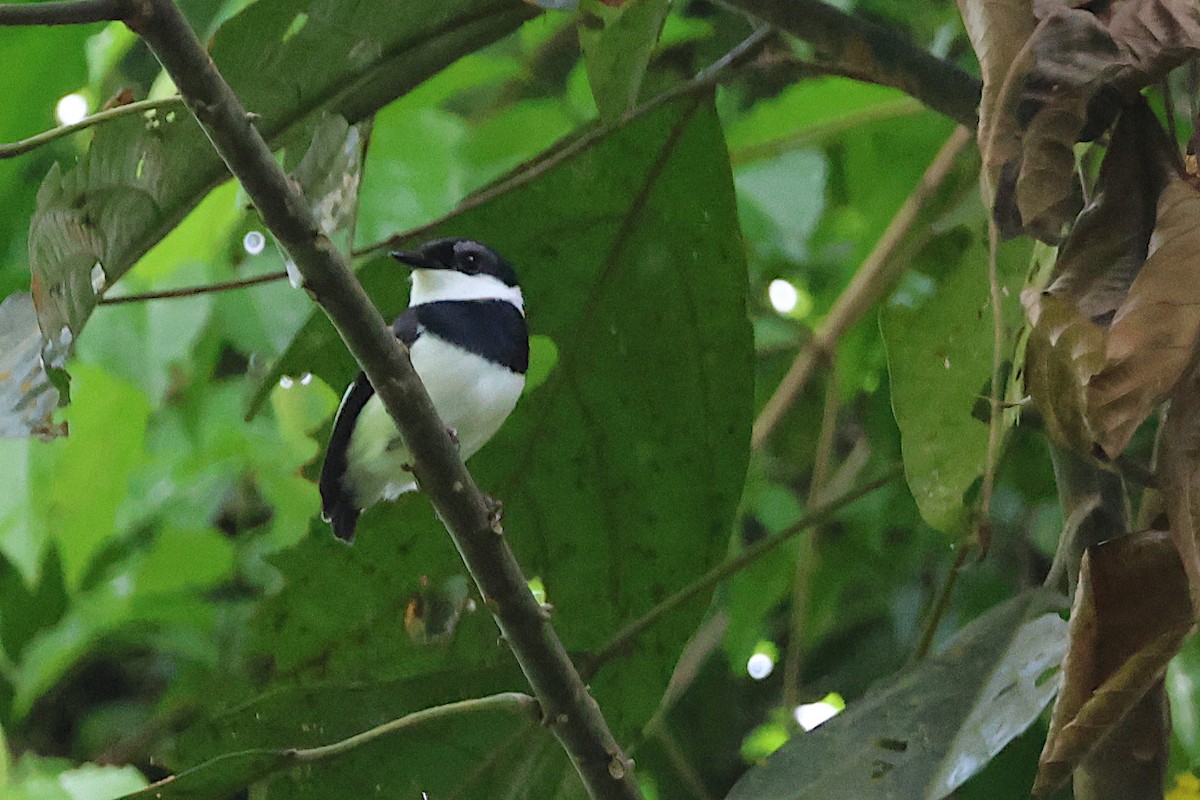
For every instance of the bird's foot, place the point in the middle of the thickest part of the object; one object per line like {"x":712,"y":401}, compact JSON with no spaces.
{"x":495,"y":514}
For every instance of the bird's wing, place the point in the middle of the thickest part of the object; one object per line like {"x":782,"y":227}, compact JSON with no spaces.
{"x":338,"y":504}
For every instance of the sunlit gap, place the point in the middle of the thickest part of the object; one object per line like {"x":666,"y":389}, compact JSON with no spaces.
{"x":70,"y":109}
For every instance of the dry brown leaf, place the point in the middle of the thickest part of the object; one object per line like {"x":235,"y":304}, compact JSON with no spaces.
{"x":1179,"y":476}
{"x":1153,"y":336}
{"x":1107,"y":245}
{"x":1075,"y":72}
{"x":1065,"y":350}
{"x":998,"y":29}
{"x":1132,"y":612}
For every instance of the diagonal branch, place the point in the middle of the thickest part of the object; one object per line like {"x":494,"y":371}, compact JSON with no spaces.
{"x":874,"y":277}
{"x":568,"y":708}
{"x":868,"y":49}
{"x":65,"y":12}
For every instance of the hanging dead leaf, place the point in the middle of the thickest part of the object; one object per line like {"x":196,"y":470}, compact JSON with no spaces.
{"x":1078,"y":68}
{"x":1065,"y":350}
{"x":998,"y":30}
{"x":1132,"y":612}
{"x":1153,"y":335}
{"x":1108,"y":243}
{"x":1179,"y":476}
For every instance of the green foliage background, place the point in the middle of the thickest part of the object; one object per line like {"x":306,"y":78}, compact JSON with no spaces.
{"x":167,"y":591}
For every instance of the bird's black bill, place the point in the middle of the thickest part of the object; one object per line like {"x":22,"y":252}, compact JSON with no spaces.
{"x":415,"y":260}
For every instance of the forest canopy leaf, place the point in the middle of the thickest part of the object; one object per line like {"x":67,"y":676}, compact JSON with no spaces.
{"x":619,"y":474}
{"x":934,"y":725}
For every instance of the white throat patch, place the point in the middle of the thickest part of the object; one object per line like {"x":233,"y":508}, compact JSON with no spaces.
{"x":433,"y":285}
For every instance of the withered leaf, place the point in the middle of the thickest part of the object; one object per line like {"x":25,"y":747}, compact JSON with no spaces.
{"x":1131,"y":614}
{"x":1179,"y":475}
{"x":1065,"y":350}
{"x":1153,"y":335}
{"x":998,"y":30}
{"x":1079,"y":66}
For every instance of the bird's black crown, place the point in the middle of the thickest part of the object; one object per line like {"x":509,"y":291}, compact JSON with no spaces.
{"x":464,"y":255}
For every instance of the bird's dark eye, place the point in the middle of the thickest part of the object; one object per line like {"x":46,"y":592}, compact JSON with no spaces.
{"x":470,"y":261}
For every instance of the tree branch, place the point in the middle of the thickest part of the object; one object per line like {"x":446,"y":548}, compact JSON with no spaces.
{"x":569,"y":710}
{"x":873,"y":278}
{"x":868,"y":49}
{"x":65,"y":12}
{"x":192,"y":291}
{"x":45,"y":137}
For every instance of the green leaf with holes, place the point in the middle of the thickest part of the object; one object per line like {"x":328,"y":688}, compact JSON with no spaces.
{"x":931,"y":727}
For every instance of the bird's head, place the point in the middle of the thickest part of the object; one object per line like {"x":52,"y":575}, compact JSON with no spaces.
{"x":459,"y":269}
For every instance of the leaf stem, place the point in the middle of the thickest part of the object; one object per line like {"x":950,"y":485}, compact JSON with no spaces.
{"x":626,"y":636}
{"x":874,"y":277}
{"x":941,"y":604}
{"x":64,"y":12}
{"x":14,"y":149}
{"x":191,"y":291}
{"x":514,"y":702}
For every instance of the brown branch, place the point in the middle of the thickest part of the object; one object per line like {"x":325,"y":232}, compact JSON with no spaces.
{"x":627,"y":635}
{"x":191,"y":291}
{"x":868,"y":49}
{"x":24,"y":146}
{"x":568,"y":708}
{"x":65,"y":12}
{"x":874,"y":277}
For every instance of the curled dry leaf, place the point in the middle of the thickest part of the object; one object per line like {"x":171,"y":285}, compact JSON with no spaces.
{"x":1132,"y":612}
{"x":1078,"y":67}
{"x":1153,"y":336}
{"x":1179,"y":476}
{"x":998,"y":30}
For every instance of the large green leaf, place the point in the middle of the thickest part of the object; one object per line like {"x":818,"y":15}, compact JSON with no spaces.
{"x":933,"y":726}
{"x":286,"y":59}
{"x":939,"y":352}
{"x":619,"y":474}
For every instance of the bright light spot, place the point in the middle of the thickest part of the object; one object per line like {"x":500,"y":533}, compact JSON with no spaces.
{"x":760,"y":666}
{"x":810,"y":715}
{"x":306,"y":379}
{"x":71,"y":108}
{"x":293,"y":272}
{"x":783,"y":296}
{"x":254,"y":242}
{"x":286,"y":382}
{"x":99,"y":279}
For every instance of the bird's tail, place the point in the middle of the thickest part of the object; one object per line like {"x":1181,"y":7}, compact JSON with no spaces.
{"x":344,"y":518}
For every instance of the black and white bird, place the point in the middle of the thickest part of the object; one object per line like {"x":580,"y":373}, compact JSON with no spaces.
{"x":466,"y":334}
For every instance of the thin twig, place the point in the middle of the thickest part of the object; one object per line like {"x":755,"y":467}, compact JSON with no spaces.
{"x":873,"y":278}
{"x":22,"y":147}
{"x":941,"y":604}
{"x":806,"y":558}
{"x":191,"y":291}
{"x":626,"y":636}
{"x":529,"y":172}
{"x":469,"y":517}
{"x":983,"y":525}
{"x":64,"y":12}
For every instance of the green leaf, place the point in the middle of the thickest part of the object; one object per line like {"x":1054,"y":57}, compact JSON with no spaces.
{"x":617,"y":44}
{"x":934,"y":725}
{"x":36,"y":778}
{"x":141,"y":176}
{"x":939,"y":351}
{"x":619,"y":474}
{"x":92,"y":467}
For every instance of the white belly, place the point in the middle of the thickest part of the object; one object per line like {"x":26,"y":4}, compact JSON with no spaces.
{"x":472,"y":395}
